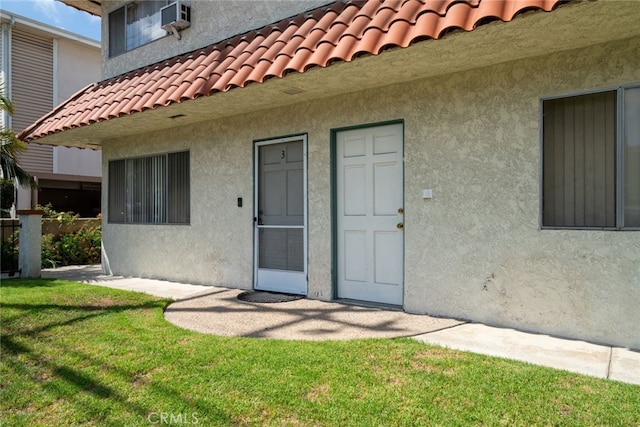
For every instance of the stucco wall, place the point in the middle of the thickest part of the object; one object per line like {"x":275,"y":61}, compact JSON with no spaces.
{"x":77,"y":66}
{"x":73,"y":58}
{"x":211,"y":21}
{"x":77,"y":161}
{"x":474,"y":251}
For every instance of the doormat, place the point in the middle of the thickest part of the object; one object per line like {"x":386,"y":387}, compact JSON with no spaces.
{"x":267,"y":297}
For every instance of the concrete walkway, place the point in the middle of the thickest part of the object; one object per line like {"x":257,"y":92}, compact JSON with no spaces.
{"x":217,"y":311}
{"x":92,"y":275}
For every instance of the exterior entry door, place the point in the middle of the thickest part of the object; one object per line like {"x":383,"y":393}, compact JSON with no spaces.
{"x":370,"y":209}
{"x":281,"y":216}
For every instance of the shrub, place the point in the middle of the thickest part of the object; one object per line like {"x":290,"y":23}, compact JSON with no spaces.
{"x":49,"y":253}
{"x":70,"y":248}
{"x":79,"y":248}
{"x":9,"y":252}
{"x":65,"y":218}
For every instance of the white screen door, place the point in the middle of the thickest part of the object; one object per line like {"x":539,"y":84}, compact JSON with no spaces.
{"x":370,"y":209}
{"x":281,"y":216}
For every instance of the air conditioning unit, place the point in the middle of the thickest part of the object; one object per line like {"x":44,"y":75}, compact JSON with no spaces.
{"x":175,"y":17}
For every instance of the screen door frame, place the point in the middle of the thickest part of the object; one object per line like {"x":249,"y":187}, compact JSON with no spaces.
{"x":287,"y":281}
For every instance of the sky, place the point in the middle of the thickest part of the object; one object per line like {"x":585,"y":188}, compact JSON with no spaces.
{"x":57,"y":14}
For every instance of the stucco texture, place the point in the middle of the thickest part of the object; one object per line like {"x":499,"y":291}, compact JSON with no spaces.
{"x":474,"y":251}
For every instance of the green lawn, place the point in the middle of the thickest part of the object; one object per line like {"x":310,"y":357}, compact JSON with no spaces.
{"x":75,"y":354}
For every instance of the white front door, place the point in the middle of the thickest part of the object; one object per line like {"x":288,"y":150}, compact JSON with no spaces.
{"x":281,"y":216}
{"x":370,"y":208}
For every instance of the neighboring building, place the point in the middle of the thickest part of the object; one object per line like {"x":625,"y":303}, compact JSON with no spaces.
{"x":41,"y":67}
{"x":472,"y":159}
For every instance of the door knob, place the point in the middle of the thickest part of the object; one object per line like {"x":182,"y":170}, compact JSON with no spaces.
{"x":400,"y":211}
{"x":400,"y":226}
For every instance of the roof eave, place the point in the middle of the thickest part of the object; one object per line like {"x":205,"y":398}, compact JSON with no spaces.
{"x":94,"y":7}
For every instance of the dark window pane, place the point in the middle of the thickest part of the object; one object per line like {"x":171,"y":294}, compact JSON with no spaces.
{"x":179,"y":188}
{"x":116,"y":32}
{"x":579,"y":158}
{"x":117,"y":190}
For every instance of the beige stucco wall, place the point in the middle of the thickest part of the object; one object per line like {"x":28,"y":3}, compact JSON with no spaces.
{"x":77,"y":161}
{"x":211,"y":21}
{"x":77,"y":65}
{"x":475,"y":251}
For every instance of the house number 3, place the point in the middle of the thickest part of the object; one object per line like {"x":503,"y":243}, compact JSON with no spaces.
{"x":282,"y":154}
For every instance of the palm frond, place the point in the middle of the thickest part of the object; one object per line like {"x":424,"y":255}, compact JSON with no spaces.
{"x":10,"y":149}
{"x":5,"y":102}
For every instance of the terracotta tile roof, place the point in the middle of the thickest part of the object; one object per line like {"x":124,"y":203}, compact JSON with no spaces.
{"x":341,"y":31}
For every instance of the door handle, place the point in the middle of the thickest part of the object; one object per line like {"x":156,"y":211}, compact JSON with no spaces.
{"x":400,"y":226}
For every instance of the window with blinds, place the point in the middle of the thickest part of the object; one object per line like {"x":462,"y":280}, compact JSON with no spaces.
{"x":150,"y":190}
{"x":591,"y":160}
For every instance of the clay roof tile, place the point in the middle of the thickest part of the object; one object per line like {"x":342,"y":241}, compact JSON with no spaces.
{"x":240,"y":79}
{"x":409,"y":11}
{"x":383,"y":18}
{"x":299,"y":60}
{"x":335,"y":33}
{"x":347,"y":14}
{"x":292,"y":46}
{"x":279,"y":67}
{"x":399,"y":34}
{"x":358,"y":26}
{"x":346,"y":48}
{"x":312,"y":40}
{"x":260,"y":72}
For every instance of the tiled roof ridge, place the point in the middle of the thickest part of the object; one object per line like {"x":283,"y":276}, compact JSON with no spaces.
{"x":336,"y":32}
{"x":228,"y":41}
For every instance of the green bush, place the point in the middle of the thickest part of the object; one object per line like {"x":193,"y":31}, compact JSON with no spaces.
{"x":79,"y":248}
{"x":65,"y":218}
{"x":49,"y":252}
{"x":9,"y":252}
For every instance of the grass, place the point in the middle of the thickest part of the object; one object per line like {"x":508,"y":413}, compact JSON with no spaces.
{"x":75,"y":354}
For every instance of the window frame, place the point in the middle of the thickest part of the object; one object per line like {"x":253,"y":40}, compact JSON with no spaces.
{"x":166,"y":194}
{"x":619,"y":173}
{"x":124,"y":9}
